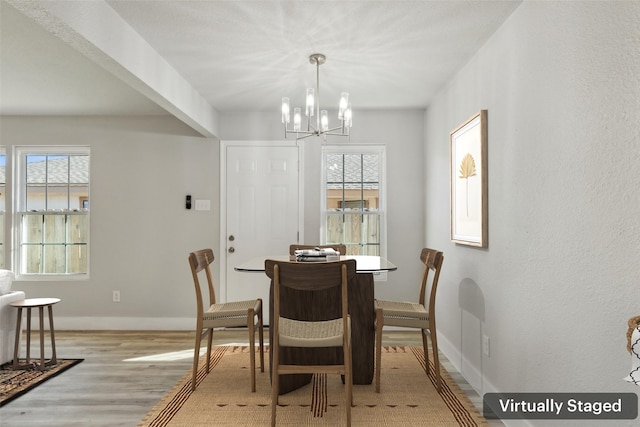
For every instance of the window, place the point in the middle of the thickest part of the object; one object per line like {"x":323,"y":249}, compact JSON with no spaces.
{"x":353,"y":199}
{"x":52,"y":232}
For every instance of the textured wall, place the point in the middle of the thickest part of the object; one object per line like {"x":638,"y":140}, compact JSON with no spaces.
{"x":554,"y":289}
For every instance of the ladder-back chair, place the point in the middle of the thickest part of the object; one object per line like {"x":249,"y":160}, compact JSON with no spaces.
{"x":220,"y":315}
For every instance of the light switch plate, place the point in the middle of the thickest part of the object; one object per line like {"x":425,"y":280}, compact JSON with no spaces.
{"x":203,"y":205}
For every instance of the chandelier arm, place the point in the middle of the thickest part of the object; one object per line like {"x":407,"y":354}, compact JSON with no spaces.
{"x":335,"y":134}
{"x":298,"y":138}
{"x":334,"y":129}
{"x":308,"y":133}
{"x":302,"y":132}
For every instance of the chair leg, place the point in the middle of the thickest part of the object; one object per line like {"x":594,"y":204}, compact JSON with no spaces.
{"x":252,"y":347}
{"x":209,"y":342}
{"x":379,"y":324}
{"x":436,"y":359}
{"x":275,"y":383}
{"x":348,"y":366}
{"x":196,"y":354}
{"x":425,"y":347}
{"x":261,"y":337}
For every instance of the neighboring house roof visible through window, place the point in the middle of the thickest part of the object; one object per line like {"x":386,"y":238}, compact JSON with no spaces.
{"x":352,"y":179}
{"x":60,"y":169}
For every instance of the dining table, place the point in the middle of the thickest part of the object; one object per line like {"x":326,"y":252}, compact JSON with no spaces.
{"x":323,"y":305}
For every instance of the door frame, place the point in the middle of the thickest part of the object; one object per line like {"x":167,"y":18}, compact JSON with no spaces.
{"x":222,"y":291}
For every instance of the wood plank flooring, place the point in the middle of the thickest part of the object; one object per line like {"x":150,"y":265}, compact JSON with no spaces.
{"x":124,"y":374}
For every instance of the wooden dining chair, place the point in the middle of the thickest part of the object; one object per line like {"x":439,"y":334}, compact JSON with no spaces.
{"x":221,"y":315}
{"x":311,"y":277}
{"x":421,"y":315}
{"x":337,"y":247}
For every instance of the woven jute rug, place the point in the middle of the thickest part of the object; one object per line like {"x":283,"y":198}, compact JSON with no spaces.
{"x":223,"y":397}
{"x":14,"y":384}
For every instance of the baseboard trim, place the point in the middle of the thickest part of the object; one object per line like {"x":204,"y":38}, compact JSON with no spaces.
{"x":124,"y":323}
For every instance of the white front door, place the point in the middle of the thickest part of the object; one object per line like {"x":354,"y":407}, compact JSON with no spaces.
{"x":261,"y":212}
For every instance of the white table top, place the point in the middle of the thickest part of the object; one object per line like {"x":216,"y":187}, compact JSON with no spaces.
{"x":364,"y":263}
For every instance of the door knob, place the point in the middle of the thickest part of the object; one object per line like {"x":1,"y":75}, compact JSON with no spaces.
{"x":232,"y":238}
{"x":231,"y":250}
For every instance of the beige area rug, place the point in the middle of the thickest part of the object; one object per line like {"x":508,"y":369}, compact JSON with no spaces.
{"x":223,"y":397}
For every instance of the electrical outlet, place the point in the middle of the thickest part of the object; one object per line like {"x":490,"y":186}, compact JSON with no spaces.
{"x":485,"y":345}
{"x":116,"y":296}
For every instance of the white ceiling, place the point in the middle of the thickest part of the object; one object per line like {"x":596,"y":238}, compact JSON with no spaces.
{"x":239,"y":55}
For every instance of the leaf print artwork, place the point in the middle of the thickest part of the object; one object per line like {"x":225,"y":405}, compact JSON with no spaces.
{"x":467,"y":170}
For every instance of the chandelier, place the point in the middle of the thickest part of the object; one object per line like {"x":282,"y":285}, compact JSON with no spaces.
{"x":321,"y":127}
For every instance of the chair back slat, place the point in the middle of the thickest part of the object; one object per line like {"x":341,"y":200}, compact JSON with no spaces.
{"x":432,"y":260}
{"x":201,"y":260}
{"x":310,"y":276}
{"x":306,"y":283}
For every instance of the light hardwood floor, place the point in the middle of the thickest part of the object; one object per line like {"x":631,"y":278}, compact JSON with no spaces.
{"x":124,"y":374}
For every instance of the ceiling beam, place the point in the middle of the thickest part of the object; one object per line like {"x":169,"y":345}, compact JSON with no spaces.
{"x":98,"y":32}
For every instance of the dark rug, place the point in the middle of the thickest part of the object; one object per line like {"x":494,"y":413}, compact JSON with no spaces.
{"x":14,"y":384}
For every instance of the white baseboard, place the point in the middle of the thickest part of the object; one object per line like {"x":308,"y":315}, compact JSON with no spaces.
{"x":473,"y":374}
{"x":124,"y":323}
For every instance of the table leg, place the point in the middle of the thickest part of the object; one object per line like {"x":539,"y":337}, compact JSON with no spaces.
{"x":16,"y":345}
{"x":28,"y":335}
{"x":41,"y":313}
{"x":53,"y":360}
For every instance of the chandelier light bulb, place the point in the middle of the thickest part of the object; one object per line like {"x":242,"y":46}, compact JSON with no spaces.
{"x":311,"y":101}
{"x":286,"y":110}
{"x":348,"y":117}
{"x":297,"y":119}
{"x":344,"y":103}
{"x":324,"y":120}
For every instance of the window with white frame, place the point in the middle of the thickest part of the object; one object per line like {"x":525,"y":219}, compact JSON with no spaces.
{"x":353,"y":198}
{"x":52,"y":211}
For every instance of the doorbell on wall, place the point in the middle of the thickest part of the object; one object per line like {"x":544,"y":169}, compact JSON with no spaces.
{"x":188,"y":202}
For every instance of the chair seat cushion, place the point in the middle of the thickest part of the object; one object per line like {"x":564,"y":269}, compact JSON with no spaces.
{"x":229,"y":314}
{"x":297,"y":333}
{"x":400,"y":313}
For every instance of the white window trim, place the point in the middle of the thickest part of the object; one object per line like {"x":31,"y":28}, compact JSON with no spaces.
{"x":381,"y":151}
{"x":18,"y":189}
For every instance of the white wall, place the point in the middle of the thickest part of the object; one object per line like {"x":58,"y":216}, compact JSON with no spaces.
{"x":402,"y":133}
{"x":141,"y":234}
{"x":559,"y":280}
{"x":141,"y":170}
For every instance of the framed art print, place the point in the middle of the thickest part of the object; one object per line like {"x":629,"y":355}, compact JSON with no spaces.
{"x":468,"y":181}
